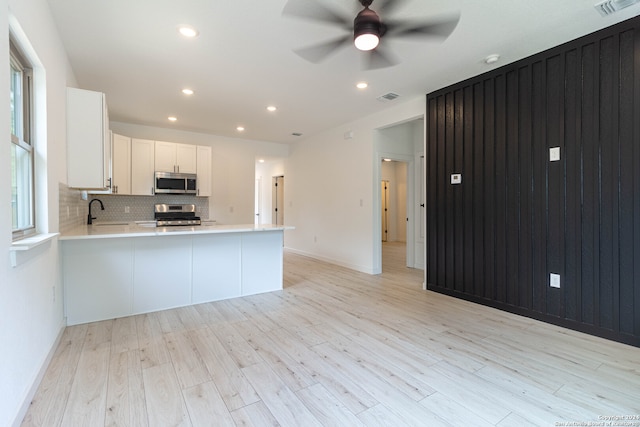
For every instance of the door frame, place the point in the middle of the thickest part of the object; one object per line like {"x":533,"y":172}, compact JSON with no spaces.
{"x":377,"y":202}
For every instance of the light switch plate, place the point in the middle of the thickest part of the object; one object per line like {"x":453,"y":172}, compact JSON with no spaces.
{"x":456,"y":178}
{"x":554,"y":154}
{"x":554,"y":280}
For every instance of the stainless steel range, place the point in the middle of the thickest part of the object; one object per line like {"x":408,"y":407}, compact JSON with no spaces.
{"x":175,"y":215}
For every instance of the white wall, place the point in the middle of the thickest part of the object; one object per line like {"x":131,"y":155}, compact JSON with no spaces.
{"x":31,"y":293}
{"x":332,"y":190}
{"x":232,"y":168}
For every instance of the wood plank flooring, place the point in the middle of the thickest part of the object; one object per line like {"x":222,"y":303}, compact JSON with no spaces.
{"x":335,"y":348}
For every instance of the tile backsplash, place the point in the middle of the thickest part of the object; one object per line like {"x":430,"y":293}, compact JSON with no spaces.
{"x":74,"y":210}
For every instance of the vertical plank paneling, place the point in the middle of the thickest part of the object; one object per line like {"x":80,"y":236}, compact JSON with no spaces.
{"x":479,"y":254}
{"x":500,"y":188}
{"x":432,"y":191}
{"x":513,"y":213}
{"x":572,"y":290}
{"x":467,"y":189}
{"x":590,"y":171}
{"x":607,"y":190}
{"x":457,"y":190}
{"x":441,"y":193}
{"x":448,"y":166}
{"x":636,"y":187}
{"x":539,"y":189}
{"x":489,"y":190}
{"x":525,"y":241}
{"x":556,"y":184}
{"x":518,"y":216}
{"x":626,"y":123}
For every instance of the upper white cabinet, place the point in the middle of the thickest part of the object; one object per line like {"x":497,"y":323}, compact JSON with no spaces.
{"x":142,"y":160}
{"x":204,"y":171}
{"x":88,"y":140}
{"x":173,"y":157}
{"x":121,"y":166}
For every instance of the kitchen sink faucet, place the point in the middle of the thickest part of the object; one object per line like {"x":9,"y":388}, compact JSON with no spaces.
{"x":91,"y":218}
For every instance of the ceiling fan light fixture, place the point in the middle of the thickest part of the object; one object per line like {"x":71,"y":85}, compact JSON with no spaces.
{"x":367,"y":30}
{"x":366,"y":41}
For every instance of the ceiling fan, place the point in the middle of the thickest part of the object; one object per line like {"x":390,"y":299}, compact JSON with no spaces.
{"x":366,"y":30}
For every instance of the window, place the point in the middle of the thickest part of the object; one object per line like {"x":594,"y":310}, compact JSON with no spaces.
{"x":22,"y":188}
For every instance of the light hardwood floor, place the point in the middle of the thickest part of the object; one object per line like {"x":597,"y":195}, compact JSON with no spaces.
{"x":335,"y":348}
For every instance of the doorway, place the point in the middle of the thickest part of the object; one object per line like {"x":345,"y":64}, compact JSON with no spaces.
{"x":278,"y":200}
{"x":393,"y":211}
{"x":384,"y":204}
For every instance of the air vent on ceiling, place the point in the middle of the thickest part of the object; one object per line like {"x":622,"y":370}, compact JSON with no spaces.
{"x":608,"y":7}
{"x":388,"y":97}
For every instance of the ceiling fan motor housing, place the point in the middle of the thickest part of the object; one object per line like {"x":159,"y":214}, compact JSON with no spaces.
{"x":367,"y":22}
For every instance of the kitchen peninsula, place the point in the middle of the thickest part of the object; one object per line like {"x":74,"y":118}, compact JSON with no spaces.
{"x":115,"y":270}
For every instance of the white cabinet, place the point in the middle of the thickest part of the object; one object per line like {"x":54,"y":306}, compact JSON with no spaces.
{"x":217,"y":268}
{"x":173,"y":157}
{"x":203,"y":170}
{"x":98,"y":279}
{"x":162,"y":273}
{"x":142,"y":161}
{"x":121,"y":164}
{"x":106,"y":278}
{"x":88,"y":140}
{"x":261,"y":262}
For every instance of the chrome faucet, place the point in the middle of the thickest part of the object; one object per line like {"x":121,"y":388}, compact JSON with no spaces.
{"x":91,"y":218}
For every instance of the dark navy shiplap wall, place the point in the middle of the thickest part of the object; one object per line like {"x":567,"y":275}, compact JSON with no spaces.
{"x":517,"y":217}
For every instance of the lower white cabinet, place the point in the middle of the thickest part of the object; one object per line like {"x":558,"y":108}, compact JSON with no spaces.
{"x":259,"y":257}
{"x":98,"y":279}
{"x":217,"y":268}
{"x":106,"y":278}
{"x":162,"y":273}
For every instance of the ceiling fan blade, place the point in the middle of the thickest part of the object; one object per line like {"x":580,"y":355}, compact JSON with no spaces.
{"x":319,"y":52}
{"x":441,"y":28}
{"x":384,"y":7}
{"x":379,"y":58}
{"x":315,"y":11}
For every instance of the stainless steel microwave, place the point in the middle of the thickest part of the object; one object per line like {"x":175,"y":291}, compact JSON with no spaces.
{"x":175,"y":183}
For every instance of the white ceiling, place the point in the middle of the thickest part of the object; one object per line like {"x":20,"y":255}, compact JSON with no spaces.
{"x":243,"y":59}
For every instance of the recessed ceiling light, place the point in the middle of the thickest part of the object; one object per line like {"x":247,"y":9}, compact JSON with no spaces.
{"x":240,"y":128}
{"x":386,"y":160}
{"x":187,"y":91}
{"x":362,"y":85}
{"x":261,"y":161}
{"x":272,"y":108}
{"x":172,"y":118}
{"x":188,"y":31}
{"x":491,"y":58}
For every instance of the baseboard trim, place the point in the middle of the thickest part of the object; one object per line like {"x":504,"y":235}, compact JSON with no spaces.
{"x":332,"y":261}
{"x":26,"y":403}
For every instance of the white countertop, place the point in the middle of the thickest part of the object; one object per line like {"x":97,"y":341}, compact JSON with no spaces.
{"x":107,"y":230}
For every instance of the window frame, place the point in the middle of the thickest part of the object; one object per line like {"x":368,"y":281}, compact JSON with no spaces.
{"x":25,"y":140}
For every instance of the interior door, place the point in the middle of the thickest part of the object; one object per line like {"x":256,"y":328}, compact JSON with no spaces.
{"x":278,"y":200}
{"x":258,"y":201}
{"x":384,"y":199}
